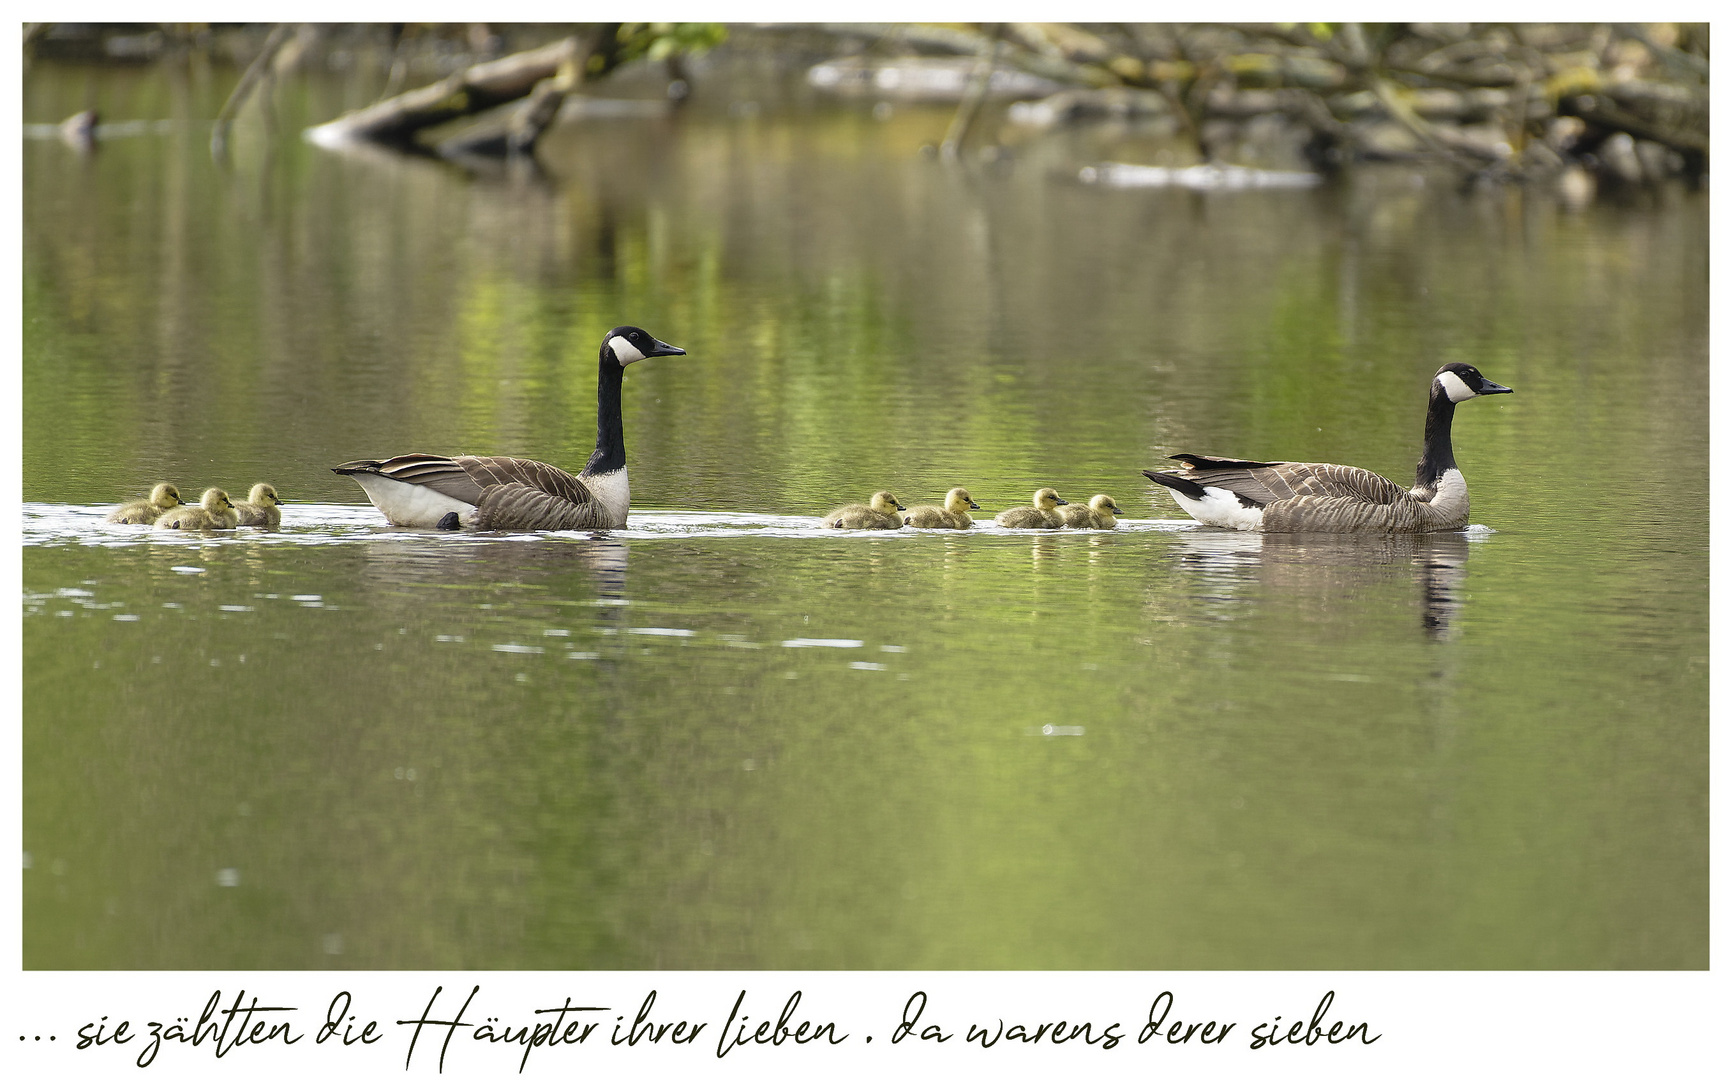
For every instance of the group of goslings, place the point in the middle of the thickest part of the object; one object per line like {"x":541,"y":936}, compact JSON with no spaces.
{"x":165,"y":509}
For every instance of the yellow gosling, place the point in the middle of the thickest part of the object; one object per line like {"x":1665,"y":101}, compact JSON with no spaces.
{"x":1042,"y":515}
{"x":214,"y":511}
{"x":882,"y":514}
{"x":260,"y":509}
{"x":163,"y":497}
{"x":1100,"y":513}
{"x":952,"y":515}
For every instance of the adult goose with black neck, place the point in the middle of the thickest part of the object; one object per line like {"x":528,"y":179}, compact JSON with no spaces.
{"x":432,"y":492}
{"x":1293,"y":496}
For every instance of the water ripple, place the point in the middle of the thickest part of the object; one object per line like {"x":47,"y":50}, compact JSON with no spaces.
{"x":314,"y":524}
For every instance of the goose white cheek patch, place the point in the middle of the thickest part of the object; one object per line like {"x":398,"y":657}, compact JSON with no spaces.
{"x":1456,"y":390}
{"x":627,"y":353}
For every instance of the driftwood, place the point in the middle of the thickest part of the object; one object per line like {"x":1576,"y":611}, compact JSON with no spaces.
{"x":1359,"y":89}
{"x":520,"y":95}
{"x":969,"y":110}
{"x":219,"y":135}
{"x":545,"y":75}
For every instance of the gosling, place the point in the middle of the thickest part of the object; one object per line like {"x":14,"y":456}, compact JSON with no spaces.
{"x":1042,"y":515}
{"x":162,"y":497}
{"x":214,"y":511}
{"x":1100,"y":513}
{"x":260,"y":509}
{"x":882,"y":514}
{"x":952,"y":515}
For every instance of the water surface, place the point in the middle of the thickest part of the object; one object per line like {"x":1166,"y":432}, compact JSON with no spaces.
{"x":722,"y":737}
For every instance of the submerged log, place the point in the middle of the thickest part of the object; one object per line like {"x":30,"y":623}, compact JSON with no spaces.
{"x":398,"y":121}
{"x":515,"y":133}
{"x":509,"y":126}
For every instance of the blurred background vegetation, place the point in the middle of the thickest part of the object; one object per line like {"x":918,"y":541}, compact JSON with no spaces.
{"x":1575,"y":104}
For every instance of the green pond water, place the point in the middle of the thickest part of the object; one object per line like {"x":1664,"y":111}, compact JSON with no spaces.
{"x":722,"y":738}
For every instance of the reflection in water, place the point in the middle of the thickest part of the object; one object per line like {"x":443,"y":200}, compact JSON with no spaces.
{"x":1327,"y":565}
{"x":1442,"y":571}
{"x":442,"y":559}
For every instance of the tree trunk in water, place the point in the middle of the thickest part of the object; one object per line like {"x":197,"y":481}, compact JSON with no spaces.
{"x":549,"y":72}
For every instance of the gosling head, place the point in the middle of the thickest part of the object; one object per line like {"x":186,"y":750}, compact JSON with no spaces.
{"x":1047,"y":498}
{"x":884,"y":502}
{"x":216,"y":499}
{"x":1103,"y":504}
{"x":166,"y":496}
{"x":263,"y":494}
{"x":1458,"y":382}
{"x":625,"y":345}
{"x":959,"y":500}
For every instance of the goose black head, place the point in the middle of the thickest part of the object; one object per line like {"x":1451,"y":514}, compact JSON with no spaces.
{"x":1462,"y":381}
{"x":629,"y":344}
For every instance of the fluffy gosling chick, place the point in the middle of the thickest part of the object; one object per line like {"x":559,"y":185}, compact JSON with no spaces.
{"x":952,"y":515}
{"x":1100,"y":513}
{"x":145,"y":512}
{"x":214,"y":511}
{"x":260,"y":509}
{"x":882,"y":514}
{"x":1042,"y":515}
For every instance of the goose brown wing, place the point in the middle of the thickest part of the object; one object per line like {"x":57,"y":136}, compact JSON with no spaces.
{"x":467,"y":479}
{"x":516,"y":505}
{"x":1337,"y":482}
{"x":1265,"y":482}
{"x":538,"y":475}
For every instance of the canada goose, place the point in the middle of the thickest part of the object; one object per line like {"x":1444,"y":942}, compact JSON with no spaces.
{"x":162,"y":497}
{"x":1042,"y":514}
{"x":1100,"y":513}
{"x":952,"y":515}
{"x":214,"y":511}
{"x":1290,"y":496}
{"x":882,"y":514}
{"x":429,"y":491}
{"x":260,"y":509}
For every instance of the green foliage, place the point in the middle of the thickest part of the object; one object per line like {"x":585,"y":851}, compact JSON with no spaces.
{"x":658,"y":41}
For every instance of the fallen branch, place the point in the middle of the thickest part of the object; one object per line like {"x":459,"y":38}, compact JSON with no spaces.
{"x":219,"y":135}
{"x":969,"y":108}
{"x":1602,"y":110}
{"x":1435,"y":139}
{"x":397,"y":121}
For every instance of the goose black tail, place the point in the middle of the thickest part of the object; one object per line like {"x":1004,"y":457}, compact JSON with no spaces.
{"x":1188,"y":488}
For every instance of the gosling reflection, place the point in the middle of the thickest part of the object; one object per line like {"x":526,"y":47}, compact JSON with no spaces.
{"x":1332,"y":566}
